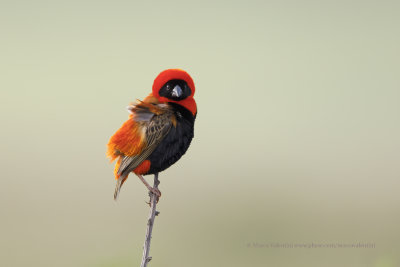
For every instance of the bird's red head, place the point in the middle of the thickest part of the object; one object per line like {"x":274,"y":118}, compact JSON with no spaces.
{"x":175,"y":85}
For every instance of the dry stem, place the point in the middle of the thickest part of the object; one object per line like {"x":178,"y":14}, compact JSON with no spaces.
{"x":152,"y":215}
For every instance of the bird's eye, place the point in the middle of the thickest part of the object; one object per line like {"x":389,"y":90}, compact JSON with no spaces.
{"x":168,"y":87}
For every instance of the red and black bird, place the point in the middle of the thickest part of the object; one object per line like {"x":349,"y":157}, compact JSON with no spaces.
{"x":159,"y":129}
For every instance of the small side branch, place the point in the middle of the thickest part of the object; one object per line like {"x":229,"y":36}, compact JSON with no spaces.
{"x":150,"y":222}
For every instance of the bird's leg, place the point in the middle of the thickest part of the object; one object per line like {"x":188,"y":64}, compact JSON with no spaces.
{"x":155,"y":191}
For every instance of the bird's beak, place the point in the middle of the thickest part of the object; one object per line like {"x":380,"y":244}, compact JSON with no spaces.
{"x":177,"y":91}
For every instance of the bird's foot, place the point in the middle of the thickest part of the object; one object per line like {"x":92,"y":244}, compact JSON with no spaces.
{"x":154,"y":192}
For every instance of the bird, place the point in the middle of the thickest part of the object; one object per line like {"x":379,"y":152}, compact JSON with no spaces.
{"x":158,"y":132}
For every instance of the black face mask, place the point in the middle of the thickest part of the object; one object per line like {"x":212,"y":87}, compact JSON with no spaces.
{"x":175,"y":90}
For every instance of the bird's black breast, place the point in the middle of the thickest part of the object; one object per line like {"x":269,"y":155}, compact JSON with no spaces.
{"x":175,"y":143}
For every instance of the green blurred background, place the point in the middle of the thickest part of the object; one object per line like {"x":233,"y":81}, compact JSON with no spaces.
{"x":297,"y":138}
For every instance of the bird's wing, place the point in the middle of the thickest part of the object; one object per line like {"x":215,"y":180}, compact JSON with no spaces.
{"x":139,"y":136}
{"x":156,"y":129}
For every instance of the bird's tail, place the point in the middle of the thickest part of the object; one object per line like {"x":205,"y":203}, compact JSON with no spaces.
{"x":118,"y":186}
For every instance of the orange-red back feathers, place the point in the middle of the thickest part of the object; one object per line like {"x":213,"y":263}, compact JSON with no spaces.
{"x":129,"y":140}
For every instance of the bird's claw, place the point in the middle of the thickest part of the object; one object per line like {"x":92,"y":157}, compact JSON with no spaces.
{"x":156,"y":193}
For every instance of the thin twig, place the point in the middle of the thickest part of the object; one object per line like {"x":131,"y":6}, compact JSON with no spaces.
{"x":152,"y":215}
